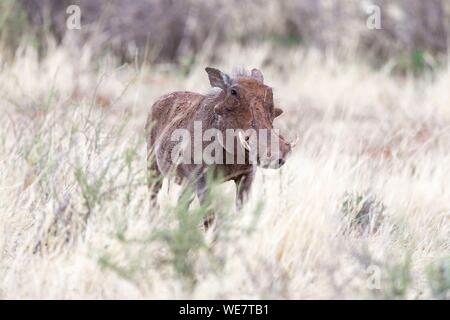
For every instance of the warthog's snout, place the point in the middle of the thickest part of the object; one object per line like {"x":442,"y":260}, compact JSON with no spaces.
{"x":277,"y":156}
{"x":269,"y":152}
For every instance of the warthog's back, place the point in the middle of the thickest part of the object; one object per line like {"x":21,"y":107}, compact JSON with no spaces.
{"x":172,"y":111}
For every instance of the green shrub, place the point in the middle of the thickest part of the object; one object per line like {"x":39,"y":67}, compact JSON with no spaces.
{"x":438,"y":276}
{"x":14,"y":26}
{"x":363,"y":212}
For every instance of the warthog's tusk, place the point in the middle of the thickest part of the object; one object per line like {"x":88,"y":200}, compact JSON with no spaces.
{"x":243,"y":141}
{"x":222,"y":144}
{"x":294,"y":143}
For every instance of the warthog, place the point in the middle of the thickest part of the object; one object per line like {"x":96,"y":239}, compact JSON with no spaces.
{"x":243,"y":103}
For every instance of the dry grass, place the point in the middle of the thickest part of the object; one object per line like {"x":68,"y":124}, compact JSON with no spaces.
{"x":75,"y":221}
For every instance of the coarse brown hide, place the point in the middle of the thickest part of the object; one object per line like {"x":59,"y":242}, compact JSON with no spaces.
{"x":243,"y":103}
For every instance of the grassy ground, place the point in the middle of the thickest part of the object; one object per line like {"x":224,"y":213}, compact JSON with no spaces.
{"x":360,"y":210}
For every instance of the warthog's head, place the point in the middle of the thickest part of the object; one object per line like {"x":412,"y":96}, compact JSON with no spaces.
{"x":246,"y":105}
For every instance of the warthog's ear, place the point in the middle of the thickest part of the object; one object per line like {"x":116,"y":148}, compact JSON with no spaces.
{"x":277,"y":112}
{"x":217,"y":78}
{"x":257,"y":75}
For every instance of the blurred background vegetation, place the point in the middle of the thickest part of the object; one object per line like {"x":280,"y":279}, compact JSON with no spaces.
{"x":415,"y":34}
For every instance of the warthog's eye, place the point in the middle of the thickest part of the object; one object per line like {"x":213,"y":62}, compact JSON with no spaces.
{"x":233,"y":92}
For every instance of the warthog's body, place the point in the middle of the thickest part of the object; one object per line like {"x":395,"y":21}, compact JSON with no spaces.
{"x":244,"y":102}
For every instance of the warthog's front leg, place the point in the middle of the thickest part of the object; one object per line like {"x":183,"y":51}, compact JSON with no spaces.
{"x":243,"y":186}
{"x":202,"y":194}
